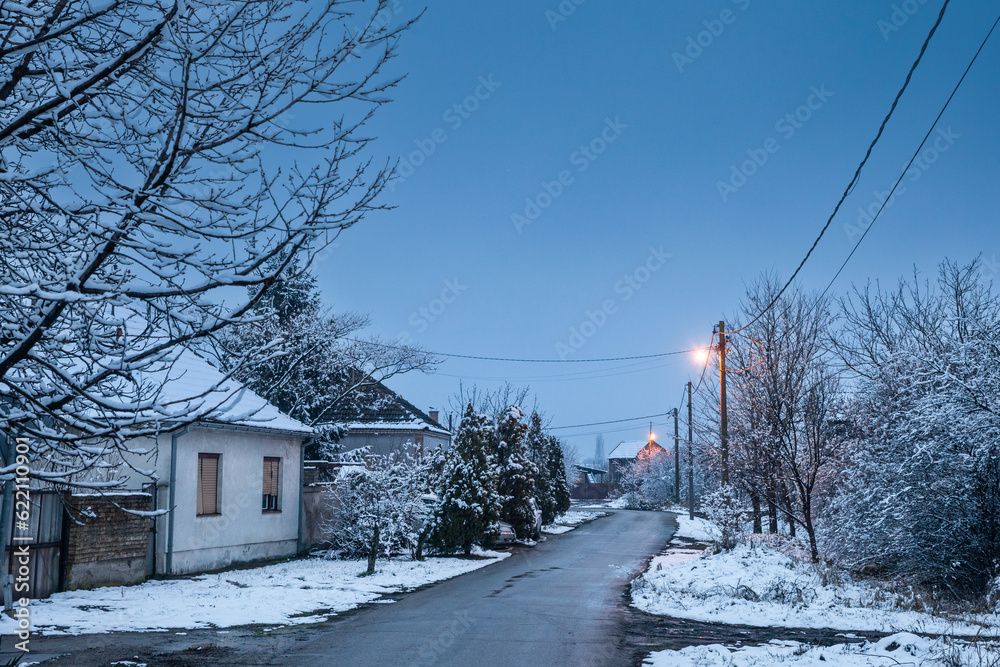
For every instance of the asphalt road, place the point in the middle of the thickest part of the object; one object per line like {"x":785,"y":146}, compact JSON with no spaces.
{"x":556,"y":604}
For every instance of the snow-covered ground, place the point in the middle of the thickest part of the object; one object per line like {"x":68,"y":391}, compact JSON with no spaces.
{"x":760,"y":586}
{"x":570,"y":520}
{"x":616,"y":504}
{"x":895,"y":650}
{"x":697,"y":528}
{"x":299,"y":591}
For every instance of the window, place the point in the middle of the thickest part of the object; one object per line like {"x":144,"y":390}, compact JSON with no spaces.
{"x":208,"y":484}
{"x":269,"y":497}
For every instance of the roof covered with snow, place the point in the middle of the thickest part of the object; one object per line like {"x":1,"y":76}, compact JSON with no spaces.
{"x":379,"y":407}
{"x":630,"y":450}
{"x":189,"y":386}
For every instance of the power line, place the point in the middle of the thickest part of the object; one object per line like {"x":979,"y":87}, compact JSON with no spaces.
{"x":590,"y":374}
{"x":477,"y":357}
{"x":613,"y":421}
{"x":857,"y":173}
{"x":907,"y":167}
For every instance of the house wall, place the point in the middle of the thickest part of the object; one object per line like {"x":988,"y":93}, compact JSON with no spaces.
{"x":241,"y":532}
{"x":385,"y":442}
{"x":106,"y":546}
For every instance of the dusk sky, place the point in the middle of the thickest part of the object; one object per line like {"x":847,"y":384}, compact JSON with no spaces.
{"x":624,"y":131}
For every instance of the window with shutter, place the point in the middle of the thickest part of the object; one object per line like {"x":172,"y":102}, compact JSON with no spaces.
{"x":269,"y":497}
{"x":208,"y":484}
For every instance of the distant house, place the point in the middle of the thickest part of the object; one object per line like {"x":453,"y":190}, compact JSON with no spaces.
{"x":626,"y":453}
{"x":388,"y":422}
{"x":233,"y":478}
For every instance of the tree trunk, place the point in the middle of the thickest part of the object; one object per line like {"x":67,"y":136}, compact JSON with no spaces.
{"x":789,"y":515}
{"x":373,"y":554}
{"x":772,"y":513}
{"x":755,"y":501}
{"x":811,"y":531}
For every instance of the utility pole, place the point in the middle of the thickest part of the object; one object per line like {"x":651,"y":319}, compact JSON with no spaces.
{"x":690,"y":457}
{"x":677,"y":460}
{"x":724,"y":422}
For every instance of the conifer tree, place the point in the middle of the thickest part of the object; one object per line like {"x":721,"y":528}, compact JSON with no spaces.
{"x":468,"y":508}
{"x":557,"y":477}
{"x":537,"y":444}
{"x":517,"y":473}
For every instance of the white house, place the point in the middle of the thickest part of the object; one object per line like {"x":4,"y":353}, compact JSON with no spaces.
{"x":233,"y":478}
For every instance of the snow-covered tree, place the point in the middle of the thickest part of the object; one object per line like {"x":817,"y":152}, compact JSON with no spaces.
{"x":320,"y":364}
{"x":376,"y":507}
{"x":468,"y":509}
{"x":537,"y":445}
{"x":921,"y":496}
{"x":150,"y":165}
{"x":556,"y":463}
{"x":516,"y":472}
{"x":784,"y":405}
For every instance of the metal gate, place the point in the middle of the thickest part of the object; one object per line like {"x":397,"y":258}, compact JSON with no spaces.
{"x":44,"y":539}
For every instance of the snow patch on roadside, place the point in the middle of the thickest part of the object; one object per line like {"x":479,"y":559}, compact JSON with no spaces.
{"x":570,"y":520}
{"x":762,"y":587}
{"x":898,"y":649}
{"x":299,"y":591}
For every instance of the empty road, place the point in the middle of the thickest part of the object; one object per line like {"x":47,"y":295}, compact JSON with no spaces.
{"x":554,"y":604}
{"x":559,"y":603}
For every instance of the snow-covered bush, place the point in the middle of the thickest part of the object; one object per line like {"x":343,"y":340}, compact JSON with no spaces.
{"x":648,"y":483}
{"x":376,"y":507}
{"x":725,"y":509}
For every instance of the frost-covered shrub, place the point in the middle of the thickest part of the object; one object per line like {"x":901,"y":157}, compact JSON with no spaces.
{"x":725,"y":509}
{"x":648,"y":483}
{"x":376,"y":508}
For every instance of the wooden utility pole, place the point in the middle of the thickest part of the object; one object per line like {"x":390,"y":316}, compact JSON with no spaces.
{"x":677,"y":460}
{"x":690,"y":457}
{"x":724,"y":421}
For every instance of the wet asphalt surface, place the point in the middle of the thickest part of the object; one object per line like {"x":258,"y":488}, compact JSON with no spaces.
{"x":562,"y":602}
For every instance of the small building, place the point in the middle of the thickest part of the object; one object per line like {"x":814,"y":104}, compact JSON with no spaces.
{"x":590,"y":483}
{"x":233,"y":478}
{"x":387,"y":422}
{"x":626,"y":453}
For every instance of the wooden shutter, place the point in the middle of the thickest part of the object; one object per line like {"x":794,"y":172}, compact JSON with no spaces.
{"x":271,"y":476}
{"x":208,"y":483}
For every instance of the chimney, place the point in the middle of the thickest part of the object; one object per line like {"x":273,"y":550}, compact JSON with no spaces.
{"x":433,"y":415}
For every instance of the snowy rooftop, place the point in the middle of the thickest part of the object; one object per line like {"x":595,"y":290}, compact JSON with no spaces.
{"x":380,"y":408}
{"x":192,"y":386}
{"x":629,"y":450}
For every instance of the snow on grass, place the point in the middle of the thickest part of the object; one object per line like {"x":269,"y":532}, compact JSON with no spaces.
{"x":697,"y":528}
{"x":570,"y":520}
{"x":759,"y":586}
{"x":898,"y":649}
{"x":299,"y":591}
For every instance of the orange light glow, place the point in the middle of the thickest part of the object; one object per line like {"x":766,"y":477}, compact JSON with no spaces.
{"x":702,"y":355}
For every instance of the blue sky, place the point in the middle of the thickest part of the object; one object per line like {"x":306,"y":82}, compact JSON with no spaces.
{"x":619,"y":126}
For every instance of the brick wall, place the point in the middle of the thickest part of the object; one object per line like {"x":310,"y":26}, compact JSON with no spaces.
{"x":106,"y":546}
